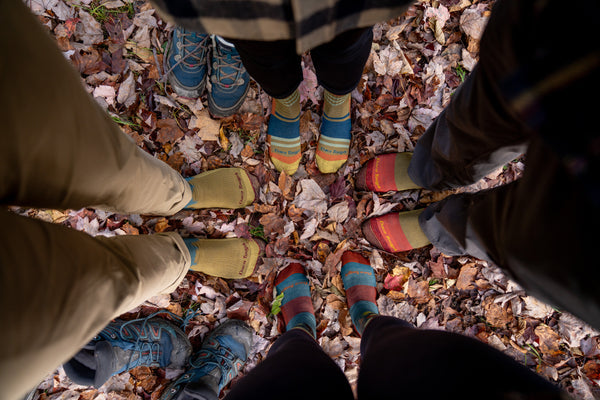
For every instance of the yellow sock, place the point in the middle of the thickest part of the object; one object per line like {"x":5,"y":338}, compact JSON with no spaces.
{"x":233,"y":258}
{"x":221,"y":188}
{"x":334,"y":142}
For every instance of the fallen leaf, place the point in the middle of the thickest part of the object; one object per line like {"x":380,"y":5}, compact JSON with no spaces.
{"x":473,"y":21}
{"x":127,"y":95}
{"x":397,"y":279}
{"x":106,"y":92}
{"x":311,"y":197}
{"x":272,"y":223}
{"x":208,"y":128}
{"x":339,"y":212}
{"x":549,"y":343}
{"x":466,"y":277}
{"x":497,"y":315}
{"x":418,"y":290}
{"x":285,"y":184}
{"x":168,"y":131}
{"x":88,"y":30}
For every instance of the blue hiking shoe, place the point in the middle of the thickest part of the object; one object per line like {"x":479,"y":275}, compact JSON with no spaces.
{"x":121,"y":346}
{"x":221,"y":357}
{"x":229,"y":80}
{"x":186,"y":62}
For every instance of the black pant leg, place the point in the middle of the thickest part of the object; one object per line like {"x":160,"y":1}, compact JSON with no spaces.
{"x":295,"y":368}
{"x":274,"y":65}
{"x":399,"y":361}
{"x":538,"y":229}
{"x":339,"y":63}
{"x":479,"y":130}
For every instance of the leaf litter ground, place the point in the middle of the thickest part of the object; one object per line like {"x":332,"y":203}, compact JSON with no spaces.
{"x":416,"y":63}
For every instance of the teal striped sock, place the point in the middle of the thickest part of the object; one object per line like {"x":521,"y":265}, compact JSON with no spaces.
{"x":296,"y":307}
{"x":360,"y":285}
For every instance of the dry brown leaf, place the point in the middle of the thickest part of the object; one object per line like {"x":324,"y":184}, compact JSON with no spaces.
{"x":208,"y":128}
{"x":161,"y":225}
{"x":418,"y":290}
{"x":466,"y":277}
{"x":495,"y":314}
{"x":168,"y":131}
{"x":549,"y":342}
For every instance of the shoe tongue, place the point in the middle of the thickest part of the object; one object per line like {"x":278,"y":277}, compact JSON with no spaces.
{"x":106,"y":362}
{"x":233,"y":345}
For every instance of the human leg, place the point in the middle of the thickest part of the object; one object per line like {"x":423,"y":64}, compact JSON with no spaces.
{"x":295,"y":368}
{"x":70,"y":154}
{"x":339,"y":65}
{"x":276,"y":67}
{"x":398,"y":358}
{"x":537,"y":229}
{"x":60,"y":287}
{"x":295,"y":360}
{"x":479,"y":130}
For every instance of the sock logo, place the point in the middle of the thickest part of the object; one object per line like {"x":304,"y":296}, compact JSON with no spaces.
{"x":389,"y":240}
{"x":241,"y":187}
{"x":244,"y":257}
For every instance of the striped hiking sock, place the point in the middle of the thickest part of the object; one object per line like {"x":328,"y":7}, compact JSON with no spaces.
{"x":334,"y":142}
{"x":359,"y":282}
{"x":296,"y":307}
{"x":386,"y":172}
{"x":395,"y":232}
{"x":284,"y":133}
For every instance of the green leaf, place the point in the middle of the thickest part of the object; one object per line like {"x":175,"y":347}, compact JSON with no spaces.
{"x":276,"y":305}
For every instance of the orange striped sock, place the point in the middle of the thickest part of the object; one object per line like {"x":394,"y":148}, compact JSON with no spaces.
{"x":396,"y":231}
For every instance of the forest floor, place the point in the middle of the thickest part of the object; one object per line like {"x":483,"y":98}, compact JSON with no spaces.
{"x":416,"y":63}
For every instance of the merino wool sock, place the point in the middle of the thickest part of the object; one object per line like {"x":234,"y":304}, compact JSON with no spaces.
{"x":284,"y":133}
{"x":386,"y":172}
{"x":360,"y":285}
{"x":395,"y":232}
{"x":221,"y":188}
{"x":296,"y":307}
{"x":334,"y":142}
{"x":233,"y":258}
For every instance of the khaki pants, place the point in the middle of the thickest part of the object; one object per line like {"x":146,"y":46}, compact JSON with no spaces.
{"x":59,"y":287}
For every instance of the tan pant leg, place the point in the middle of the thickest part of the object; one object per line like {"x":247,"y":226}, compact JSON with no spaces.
{"x":59,"y":287}
{"x":59,"y":148}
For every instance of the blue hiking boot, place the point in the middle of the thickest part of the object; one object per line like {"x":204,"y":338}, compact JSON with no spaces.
{"x":221,"y":357}
{"x":186,"y":62}
{"x":121,"y":346}
{"x":229,"y":81}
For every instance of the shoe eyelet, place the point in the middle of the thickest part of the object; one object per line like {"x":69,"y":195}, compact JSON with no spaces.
{"x":173,"y":390}
{"x":186,"y":376}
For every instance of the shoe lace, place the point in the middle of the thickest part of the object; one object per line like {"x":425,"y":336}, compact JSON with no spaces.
{"x":192,"y":50}
{"x":153,"y":348}
{"x":230,"y":61}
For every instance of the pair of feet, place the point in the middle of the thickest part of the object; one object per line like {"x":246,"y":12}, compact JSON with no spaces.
{"x":190,"y":64}
{"x":233,"y":258}
{"x":396,"y":231}
{"x":359,"y":282}
{"x":155,"y":342}
{"x":284,"y":133}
